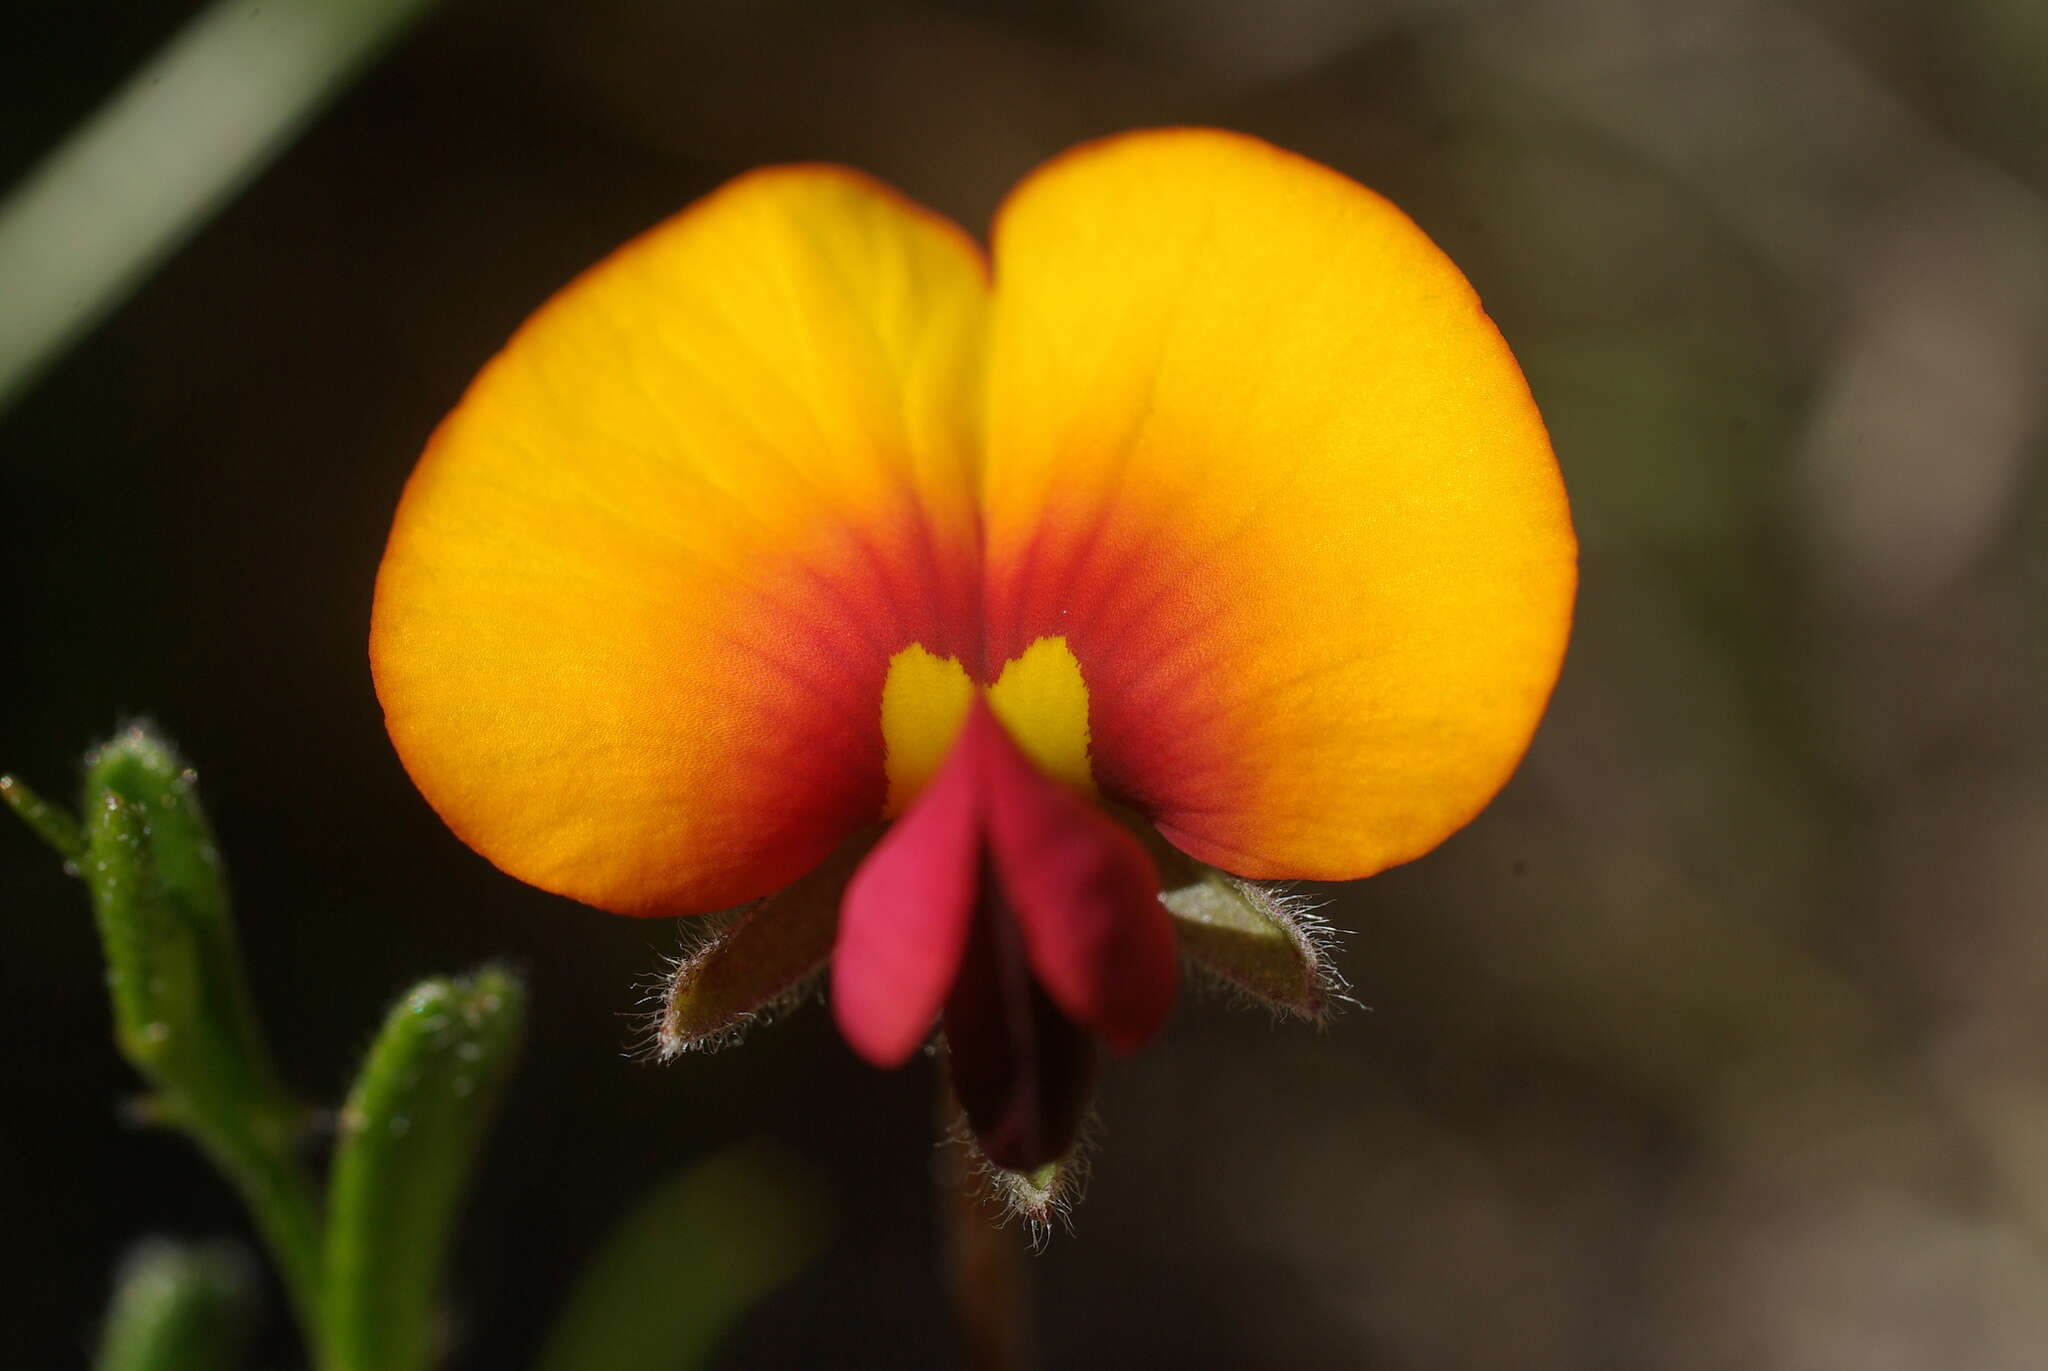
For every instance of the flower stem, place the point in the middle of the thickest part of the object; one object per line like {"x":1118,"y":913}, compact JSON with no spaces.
{"x":984,"y":1269}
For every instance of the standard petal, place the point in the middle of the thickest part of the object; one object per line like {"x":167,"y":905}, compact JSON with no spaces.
{"x":1258,"y":455}
{"x":641,"y":594}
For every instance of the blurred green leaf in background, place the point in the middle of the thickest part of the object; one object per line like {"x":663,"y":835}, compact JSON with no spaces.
{"x":697,"y":1253}
{"x":178,"y":1307}
{"x":189,"y":130}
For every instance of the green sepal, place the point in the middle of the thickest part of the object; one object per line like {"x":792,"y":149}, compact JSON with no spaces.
{"x":409,"y":1133}
{"x":753,"y":962}
{"x":1260,"y":942}
{"x":177,"y":1307}
{"x":47,"y":821}
{"x":691,"y":1258}
{"x":1042,"y":1197}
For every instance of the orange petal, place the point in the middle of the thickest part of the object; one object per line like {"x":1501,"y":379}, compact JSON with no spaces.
{"x":1257,"y":454}
{"x":640,"y":598}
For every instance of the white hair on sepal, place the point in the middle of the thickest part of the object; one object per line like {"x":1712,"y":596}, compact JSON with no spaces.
{"x":656,"y":1037}
{"x":1301,"y":914}
{"x":1229,"y":929}
{"x":1016,"y":1196}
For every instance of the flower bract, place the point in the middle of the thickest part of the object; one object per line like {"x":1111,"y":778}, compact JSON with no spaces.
{"x":1207,"y":517}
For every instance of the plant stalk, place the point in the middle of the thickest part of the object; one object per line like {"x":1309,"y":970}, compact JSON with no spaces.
{"x":982,"y":1258}
{"x":262,"y":1165}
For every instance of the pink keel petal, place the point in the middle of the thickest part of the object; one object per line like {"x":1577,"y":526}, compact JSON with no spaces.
{"x":903,"y":924}
{"x":1083,"y":891}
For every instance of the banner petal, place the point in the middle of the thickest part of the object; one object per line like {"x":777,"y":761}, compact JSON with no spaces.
{"x":640,"y":597}
{"x":1257,"y":454}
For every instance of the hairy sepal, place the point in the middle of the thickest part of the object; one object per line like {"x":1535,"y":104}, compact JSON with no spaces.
{"x":743,"y":967}
{"x":1261,"y":941}
{"x":1042,"y":1198}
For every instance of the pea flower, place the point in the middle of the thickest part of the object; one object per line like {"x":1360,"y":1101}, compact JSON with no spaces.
{"x":1208,"y":528}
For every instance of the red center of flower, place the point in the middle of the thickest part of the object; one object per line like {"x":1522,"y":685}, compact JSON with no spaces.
{"x":1026,"y":913}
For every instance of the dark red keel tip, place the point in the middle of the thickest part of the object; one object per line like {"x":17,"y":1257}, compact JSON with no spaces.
{"x":1022,"y":1070}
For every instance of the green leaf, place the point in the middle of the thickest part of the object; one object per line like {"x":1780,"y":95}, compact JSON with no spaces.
{"x":182,"y":1012}
{"x":687,"y":1262}
{"x":49,"y":822}
{"x":177,"y":1308}
{"x":1259,"y":941}
{"x":409,"y":1133}
{"x":758,"y":961}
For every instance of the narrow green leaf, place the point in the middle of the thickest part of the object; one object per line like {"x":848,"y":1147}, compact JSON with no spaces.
{"x":183,"y":1016}
{"x":758,"y":961}
{"x":177,"y":1308}
{"x":409,"y":1133}
{"x":687,"y":1262}
{"x":49,"y":822}
{"x":1260,"y":942}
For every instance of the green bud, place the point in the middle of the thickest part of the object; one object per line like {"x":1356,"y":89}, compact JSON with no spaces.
{"x":182,"y":1010}
{"x":177,"y":1308}
{"x":750,"y":964}
{"x":409,"y":1134}
{"x":183,"y":1016}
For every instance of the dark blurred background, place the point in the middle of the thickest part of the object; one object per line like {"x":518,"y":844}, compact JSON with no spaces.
{"x":1720,"y":1040}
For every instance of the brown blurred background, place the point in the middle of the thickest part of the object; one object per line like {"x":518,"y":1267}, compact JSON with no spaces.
{"x":1721,"y":1040}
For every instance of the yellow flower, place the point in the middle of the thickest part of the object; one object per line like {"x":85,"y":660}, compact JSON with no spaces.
{"x":1218,"y":499}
